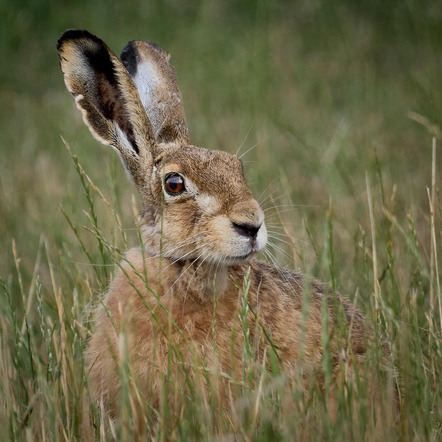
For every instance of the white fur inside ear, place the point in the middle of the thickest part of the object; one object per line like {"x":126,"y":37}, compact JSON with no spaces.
{"x":146,"y":79}
{"x":126,"y":169}
{"x":124,"y":143}
{"x":155,"y":96}
{"x":122,"y":140}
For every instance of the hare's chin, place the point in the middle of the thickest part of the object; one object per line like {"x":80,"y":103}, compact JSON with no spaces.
{"x":238,"y":259}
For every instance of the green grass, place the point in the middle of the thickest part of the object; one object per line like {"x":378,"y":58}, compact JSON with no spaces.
{"x":340,"y":100}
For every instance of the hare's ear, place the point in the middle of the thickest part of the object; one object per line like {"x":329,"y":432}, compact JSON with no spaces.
{"x":157,"y":85}
{"x":108,"y":99}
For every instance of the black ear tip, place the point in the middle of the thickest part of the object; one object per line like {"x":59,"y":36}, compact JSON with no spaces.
{"x":157,"y":48}
{"x":76,"y":34}
{"x":129,"y":57}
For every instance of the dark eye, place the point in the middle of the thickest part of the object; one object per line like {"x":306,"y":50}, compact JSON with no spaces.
{"x":174,"y":184}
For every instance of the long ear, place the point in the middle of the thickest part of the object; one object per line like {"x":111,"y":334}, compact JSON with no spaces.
{"x":157,"y":84}
{"x":108,"y":99}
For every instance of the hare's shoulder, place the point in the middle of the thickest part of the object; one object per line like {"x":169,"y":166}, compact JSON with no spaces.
{"x":284,"y":293}
{"x":291,"y":289}
{"x":272,"y":279}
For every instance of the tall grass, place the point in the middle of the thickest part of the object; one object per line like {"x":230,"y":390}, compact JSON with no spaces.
{"x":339,"y":104}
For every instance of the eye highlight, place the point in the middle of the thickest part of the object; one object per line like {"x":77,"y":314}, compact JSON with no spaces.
{"x":174,"y":184}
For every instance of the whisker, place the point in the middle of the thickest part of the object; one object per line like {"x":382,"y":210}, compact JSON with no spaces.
{"x":170,"y":253}
{"x":270,"y":199}
{"x":271,"y":226}
{"x":282,"y":251}
{"x":196,"y":237}
{"x":292,"y":206}
{"x":245,"y":138}
{"x":265,"y":190}
{"x":289,"y":243}
{"x":256,"y":144}
{"x":180,"y":258}
{"x":181,"y":275}
{"x":280,"y":271}
{"x":294,"y":242}
{"x":194,"y":273}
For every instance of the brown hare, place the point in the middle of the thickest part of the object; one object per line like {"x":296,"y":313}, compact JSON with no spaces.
{"x":185,"y":290}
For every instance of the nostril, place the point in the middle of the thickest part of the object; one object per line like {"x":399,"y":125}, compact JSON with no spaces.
{"x":248,"y":230}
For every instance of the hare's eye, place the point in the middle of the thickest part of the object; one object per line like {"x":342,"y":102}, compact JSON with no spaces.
{"x":174,"y":184}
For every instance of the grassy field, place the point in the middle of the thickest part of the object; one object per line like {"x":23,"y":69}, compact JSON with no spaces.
{"x":336,"y":108}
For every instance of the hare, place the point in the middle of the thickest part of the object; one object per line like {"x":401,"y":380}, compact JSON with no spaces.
{"x":201,"y":229}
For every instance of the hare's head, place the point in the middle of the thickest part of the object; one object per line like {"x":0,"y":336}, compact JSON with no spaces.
{"x":195,"y":201}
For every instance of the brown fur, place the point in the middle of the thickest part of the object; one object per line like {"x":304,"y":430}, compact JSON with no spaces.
{"x":275,"y":295}
{"x":199,"y":244}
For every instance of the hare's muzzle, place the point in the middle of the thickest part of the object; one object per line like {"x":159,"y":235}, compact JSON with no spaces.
{"x":247,"y":230}
{"x":247,"y":221}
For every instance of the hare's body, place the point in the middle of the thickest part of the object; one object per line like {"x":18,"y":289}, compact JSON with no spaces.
{"x":195,"y":297}
{"x":170,"y":311}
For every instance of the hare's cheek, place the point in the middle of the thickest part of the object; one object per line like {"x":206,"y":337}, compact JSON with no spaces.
{"x":208,"y":204}
{"x":177,"y":224}
{"x":220,"y":237}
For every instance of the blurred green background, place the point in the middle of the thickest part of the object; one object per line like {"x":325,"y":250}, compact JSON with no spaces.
{"x":325,"y":99}
{"x":321,"y":91}
{"x":318,"y":86}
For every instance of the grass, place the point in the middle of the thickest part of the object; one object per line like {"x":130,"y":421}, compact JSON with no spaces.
{"x":340,"y":102}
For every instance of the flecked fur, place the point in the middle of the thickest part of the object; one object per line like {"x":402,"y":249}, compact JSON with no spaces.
{"x":194,"y":256}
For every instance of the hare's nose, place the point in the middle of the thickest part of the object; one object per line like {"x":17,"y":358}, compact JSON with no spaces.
{"x":247,"y":230}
